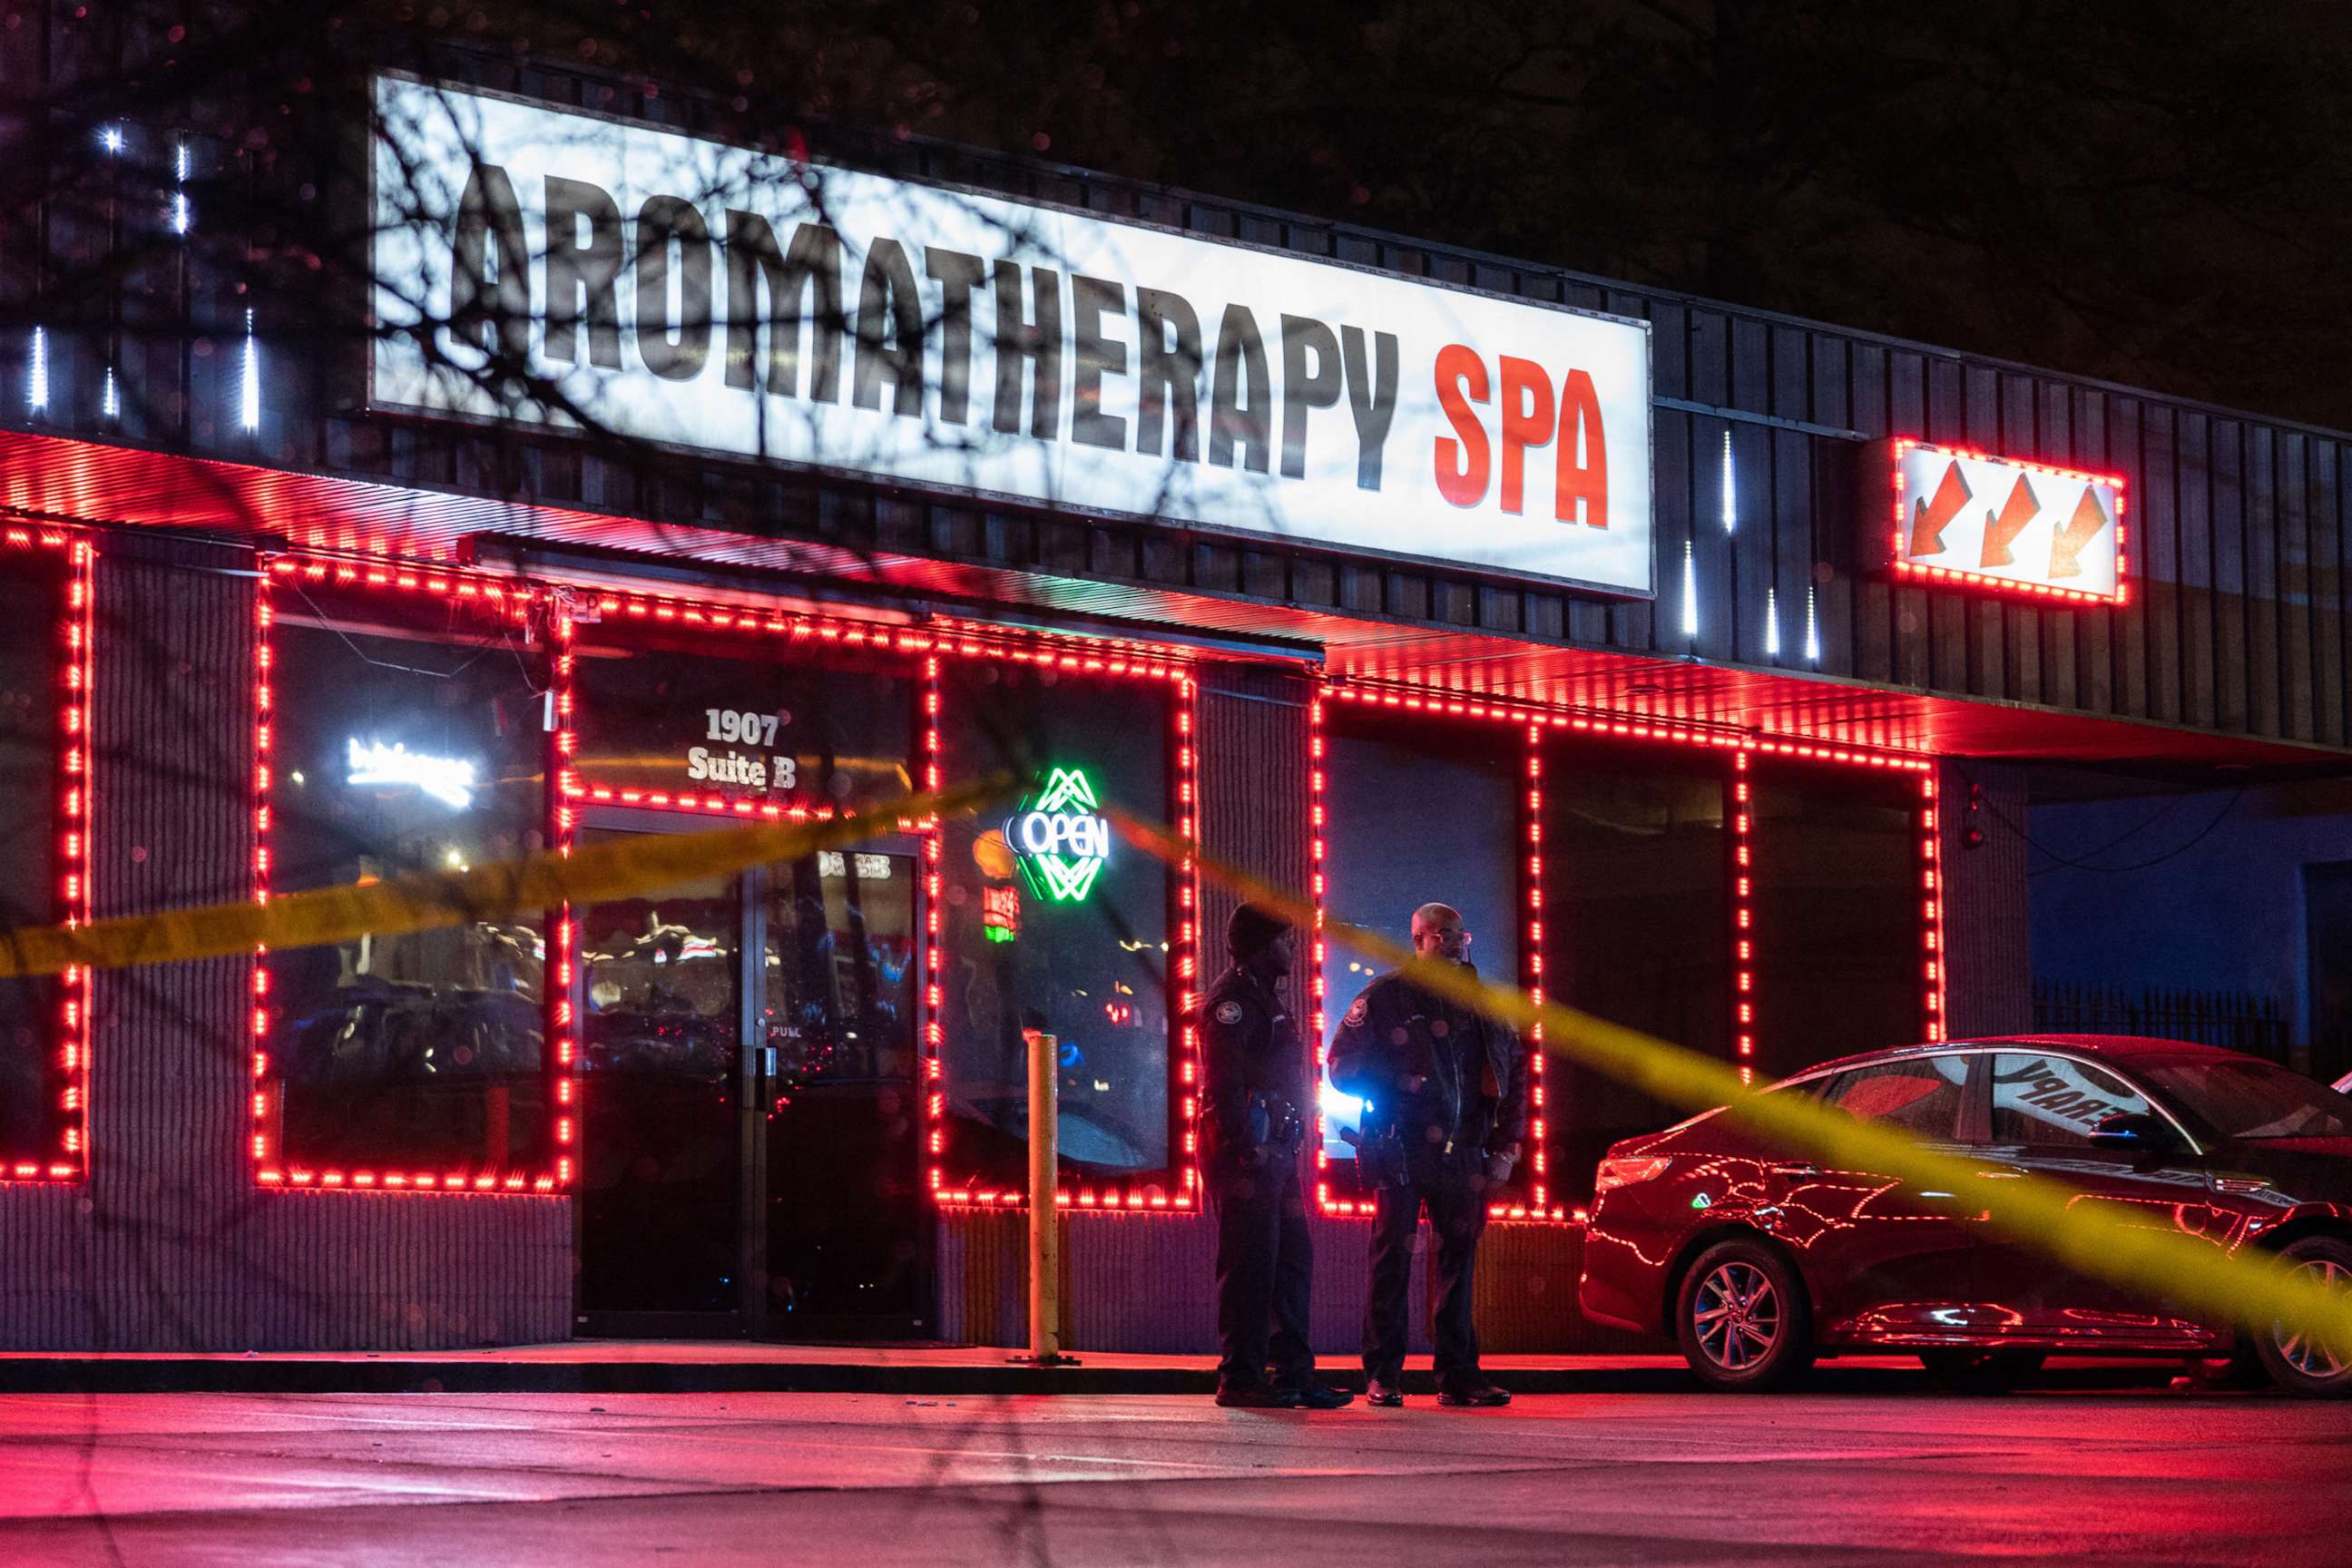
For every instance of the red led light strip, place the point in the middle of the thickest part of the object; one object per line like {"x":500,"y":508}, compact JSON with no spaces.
{"x":976,"y":640}
{"x":1743,"y":918}
{"x":271,"y":1166}
{"x":563,"y":821}
{"x":812,"y":635}
{"x":1963,"y":577}
{"x":1538,"y":1108}
{"x":935,"y":1087}
{"x":1317,"y":989}
{"x":1744,"y":746}
{"x":75,"y":632}
{"x":1138,"y":1196}
{"x":1931,"y":909}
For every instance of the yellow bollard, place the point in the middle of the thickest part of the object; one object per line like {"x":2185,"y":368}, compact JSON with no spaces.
{"x":1044,"y":1223}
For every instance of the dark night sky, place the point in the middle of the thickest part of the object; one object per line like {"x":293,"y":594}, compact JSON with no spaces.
{"x":2149,"y":191}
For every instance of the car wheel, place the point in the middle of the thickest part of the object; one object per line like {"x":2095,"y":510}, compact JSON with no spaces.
{"x":2296,"y":1363}
{"x":1743,"y":1319}
{"x":1981,"y":1371}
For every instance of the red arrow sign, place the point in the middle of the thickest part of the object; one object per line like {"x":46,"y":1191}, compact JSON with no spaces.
{"x":2021,"y":508}
{"x":1930,"y":517}
{"x":2066,"y":546}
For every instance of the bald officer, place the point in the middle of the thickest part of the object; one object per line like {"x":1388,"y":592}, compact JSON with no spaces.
{"x":1447,"y":1097}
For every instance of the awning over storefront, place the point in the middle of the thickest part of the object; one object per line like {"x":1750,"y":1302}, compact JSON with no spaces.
{"x":45,"y":478}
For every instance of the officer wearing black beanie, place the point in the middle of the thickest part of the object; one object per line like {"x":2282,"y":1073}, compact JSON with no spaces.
{"x":1256,"y":1103}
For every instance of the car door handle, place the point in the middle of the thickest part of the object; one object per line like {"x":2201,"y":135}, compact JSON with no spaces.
{"x":1796,"y":1168}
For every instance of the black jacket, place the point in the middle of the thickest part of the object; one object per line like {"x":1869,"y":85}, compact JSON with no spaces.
{"x":1477,"y":1092}
{"x":1249,"y":1044}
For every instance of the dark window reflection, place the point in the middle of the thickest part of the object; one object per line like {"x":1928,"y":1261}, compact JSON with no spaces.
{"x":1637,"y":924}
{"x":1417,"y":812}
{"x":1839,"y":964}
{"x":409,"y":737}
{"x":1092,"y":968}
{"x":839,"y":1004}
{"x":661,"y":1034}
{"x":843,"y":1198}
{"x":30,"y":670}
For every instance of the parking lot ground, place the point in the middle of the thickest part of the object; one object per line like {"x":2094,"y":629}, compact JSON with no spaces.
{"x":2137,"y":1477}
{"x":438,"y":1479}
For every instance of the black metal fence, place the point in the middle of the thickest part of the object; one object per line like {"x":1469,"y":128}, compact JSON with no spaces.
{"x":2235,"y":1020}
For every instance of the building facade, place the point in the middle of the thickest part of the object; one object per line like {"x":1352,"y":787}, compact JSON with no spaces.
{"x":655,"y":482}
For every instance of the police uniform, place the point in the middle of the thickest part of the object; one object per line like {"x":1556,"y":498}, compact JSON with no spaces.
{"x":1254,"y":1095}
{"x":1439,"y":1147}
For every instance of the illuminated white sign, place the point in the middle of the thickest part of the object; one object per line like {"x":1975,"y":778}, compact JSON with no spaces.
{"x":450,"y":780}
{"x":1964,"y":517}
{"x":683,"y":291}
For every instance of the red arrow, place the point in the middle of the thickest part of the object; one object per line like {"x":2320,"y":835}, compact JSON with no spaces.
{"x":2021,"y":509}
{"x":1929,"y":518}
{"x":2066,"y":546}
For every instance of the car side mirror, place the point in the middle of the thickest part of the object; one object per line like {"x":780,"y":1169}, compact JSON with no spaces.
{"x":2137,"y":1131}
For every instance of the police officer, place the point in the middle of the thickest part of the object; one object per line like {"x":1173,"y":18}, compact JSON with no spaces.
{"x":1446,"y":1088}
{"x":1255,"y":1098}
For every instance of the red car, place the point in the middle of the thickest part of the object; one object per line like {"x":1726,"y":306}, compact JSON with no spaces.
{"x":1757,"y":1261}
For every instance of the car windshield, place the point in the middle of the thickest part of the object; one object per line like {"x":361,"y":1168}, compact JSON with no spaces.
{"x":2240,"y":1098}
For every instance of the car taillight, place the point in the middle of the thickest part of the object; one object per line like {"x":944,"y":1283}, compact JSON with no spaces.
{"x":1626,"y":1173}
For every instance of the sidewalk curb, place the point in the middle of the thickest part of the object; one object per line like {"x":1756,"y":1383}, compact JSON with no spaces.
{"x":392,"y":1374}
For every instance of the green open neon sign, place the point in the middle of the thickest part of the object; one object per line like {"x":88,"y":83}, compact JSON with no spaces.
{"x":1060,"y":840}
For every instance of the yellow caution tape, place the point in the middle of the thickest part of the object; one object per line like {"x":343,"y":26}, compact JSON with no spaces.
{"x":2140,"y":1250}
{"x":2123,"y":1243}
{"x":640,"y":863}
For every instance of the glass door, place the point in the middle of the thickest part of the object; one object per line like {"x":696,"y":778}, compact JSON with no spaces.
{"x":751,"y":1130}
{"x":664,"y":1116}
{"x":839,"y":1184}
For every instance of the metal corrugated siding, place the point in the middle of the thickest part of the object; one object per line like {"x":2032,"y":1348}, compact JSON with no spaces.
{"x":1526,"y":1296}
{"x":1988,"y":930}
{"x":169,"y":1247}
{"x":1134,"y":1282}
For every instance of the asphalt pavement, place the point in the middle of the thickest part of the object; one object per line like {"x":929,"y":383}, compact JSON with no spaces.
{"x":2128,"y":1476}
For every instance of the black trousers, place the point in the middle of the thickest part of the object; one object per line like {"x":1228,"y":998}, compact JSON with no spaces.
{"x":1458,"y":1218}
{"x":1266,"y":1274}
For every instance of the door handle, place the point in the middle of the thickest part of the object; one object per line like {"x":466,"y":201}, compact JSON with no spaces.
{"x":1796,"y":1168}
{"x":768,"y":1061}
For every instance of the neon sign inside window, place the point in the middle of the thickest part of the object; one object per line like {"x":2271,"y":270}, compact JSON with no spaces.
{"x":450,"y":780}
{"x":1061,"y":842}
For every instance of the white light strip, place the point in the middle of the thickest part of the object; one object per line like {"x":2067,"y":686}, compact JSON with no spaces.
{"x":37,"y":390}
{"x":248,"y":402}
{"x":1690,"y":592}
{"x":1813,"y":629}
{"x":110,"y":404}
{"x":1730,"y":491}
{"x":181,"y":212}
{"x":1771,"y":623}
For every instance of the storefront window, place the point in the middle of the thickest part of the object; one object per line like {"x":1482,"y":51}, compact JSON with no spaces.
{"x":1049,"y":925}
{"x":410,"y":735}
{"x":1838,"y":921}
{"x":661,"y":722}
{"x":33,"y":1119}
{"x":1636,"y":925}
{"x":1416,"y":811}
